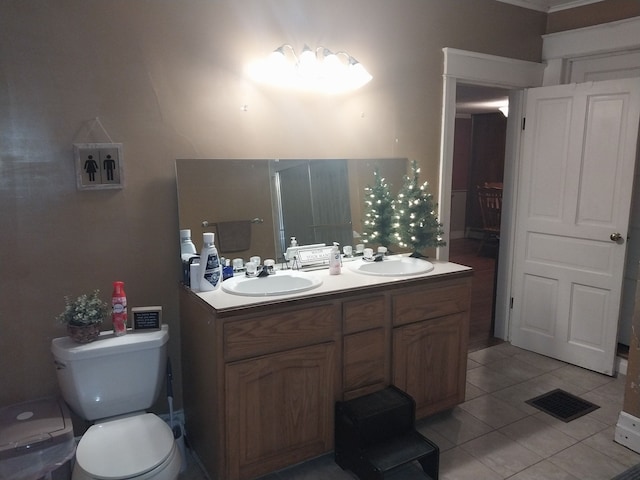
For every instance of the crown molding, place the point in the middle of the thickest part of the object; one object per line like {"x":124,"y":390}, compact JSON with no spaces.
{"x":622,"y":35}
{"x":549,"y":6}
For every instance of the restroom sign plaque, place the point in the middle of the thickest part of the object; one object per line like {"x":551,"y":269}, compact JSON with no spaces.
{"x":99,"y":166}
{"x":147,"y":318}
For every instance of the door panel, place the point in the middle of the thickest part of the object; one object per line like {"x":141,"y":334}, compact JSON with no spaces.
{"x":575,"y":187}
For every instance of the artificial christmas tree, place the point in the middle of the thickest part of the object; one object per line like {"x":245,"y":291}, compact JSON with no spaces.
{"x":416,"y":222}
{"x":378,"y":222}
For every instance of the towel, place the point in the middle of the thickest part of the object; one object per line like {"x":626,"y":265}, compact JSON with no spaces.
{"x":234,"y":236}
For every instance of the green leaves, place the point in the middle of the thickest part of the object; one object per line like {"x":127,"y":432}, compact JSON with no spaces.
{"x":378,"y":221}
{"x":84,"y":310}
{"x":416,"y":220}
{"x":409,"y":220}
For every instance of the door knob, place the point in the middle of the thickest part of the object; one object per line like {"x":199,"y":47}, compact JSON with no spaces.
{"x":615,"y":237}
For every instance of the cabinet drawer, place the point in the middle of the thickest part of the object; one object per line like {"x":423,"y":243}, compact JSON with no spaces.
{"x":365,"y":359}
{"x":279,"y":331}
{"x":430,"y":302}
{"x":365,"y":314}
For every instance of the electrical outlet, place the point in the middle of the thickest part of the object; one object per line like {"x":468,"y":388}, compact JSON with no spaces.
{"x":99,"y":166}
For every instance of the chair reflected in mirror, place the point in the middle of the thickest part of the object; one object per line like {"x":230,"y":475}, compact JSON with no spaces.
{"x":490,"y":201}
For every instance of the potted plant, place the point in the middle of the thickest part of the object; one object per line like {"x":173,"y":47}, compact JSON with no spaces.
{"x":83,"y":316}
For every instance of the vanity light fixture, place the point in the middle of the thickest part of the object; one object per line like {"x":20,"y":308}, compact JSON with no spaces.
{"x":319,"y":70}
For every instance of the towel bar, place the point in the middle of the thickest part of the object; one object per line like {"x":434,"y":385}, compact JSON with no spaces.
{"x":206,"y":223}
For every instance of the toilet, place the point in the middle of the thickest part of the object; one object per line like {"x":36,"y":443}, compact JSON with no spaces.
{"x":111,"y":382}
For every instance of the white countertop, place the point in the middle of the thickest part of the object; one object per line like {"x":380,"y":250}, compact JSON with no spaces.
{"x":347,"y":280}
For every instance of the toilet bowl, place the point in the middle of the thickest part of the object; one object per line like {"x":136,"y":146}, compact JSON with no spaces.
{"x":111,"y":382}
{"x":139,"y":446}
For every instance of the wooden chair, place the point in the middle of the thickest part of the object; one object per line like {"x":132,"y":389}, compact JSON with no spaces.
{"x":490,"y":200}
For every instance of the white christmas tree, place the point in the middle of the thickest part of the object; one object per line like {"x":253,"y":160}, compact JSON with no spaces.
{"x":416,"y":222}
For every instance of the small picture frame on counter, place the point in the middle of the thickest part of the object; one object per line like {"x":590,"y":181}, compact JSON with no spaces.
{"x":147,"y":318}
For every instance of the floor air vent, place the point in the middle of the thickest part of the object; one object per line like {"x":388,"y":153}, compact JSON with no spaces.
{"x":562,"y":405}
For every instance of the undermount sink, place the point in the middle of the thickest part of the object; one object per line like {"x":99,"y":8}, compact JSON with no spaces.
{"x":280,"y":283}
{"x":393,"y":266}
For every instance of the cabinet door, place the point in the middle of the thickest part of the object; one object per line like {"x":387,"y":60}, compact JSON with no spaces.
{"x":279,"y":409}
{"x":429,"y":362}
{"x":365,"y":362}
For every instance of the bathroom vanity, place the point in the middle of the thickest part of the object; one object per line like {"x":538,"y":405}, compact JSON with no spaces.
{"x":261,"y":375}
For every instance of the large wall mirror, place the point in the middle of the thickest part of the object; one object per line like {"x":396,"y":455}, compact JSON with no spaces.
{"x":256,"y":206}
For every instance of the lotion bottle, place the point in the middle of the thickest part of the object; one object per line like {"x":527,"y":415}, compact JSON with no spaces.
{"x":210,"y":268}
{"x":335,"y":262}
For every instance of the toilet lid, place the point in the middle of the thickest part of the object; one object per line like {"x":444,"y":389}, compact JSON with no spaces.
{"x":125,"y":447}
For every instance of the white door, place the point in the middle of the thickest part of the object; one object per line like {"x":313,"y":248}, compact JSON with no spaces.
{"x":574,"y":195}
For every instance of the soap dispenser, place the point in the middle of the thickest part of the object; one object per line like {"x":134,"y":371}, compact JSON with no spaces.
{"x":335,"y":262}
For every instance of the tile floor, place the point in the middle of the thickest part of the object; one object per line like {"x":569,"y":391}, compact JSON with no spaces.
{"x":495,"y":435}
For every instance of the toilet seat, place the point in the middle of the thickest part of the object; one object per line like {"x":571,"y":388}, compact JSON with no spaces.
{"x":125,"y":447}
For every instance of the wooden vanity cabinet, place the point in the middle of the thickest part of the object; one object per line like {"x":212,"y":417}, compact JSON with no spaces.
{"x":260,"y":383}
{"x":279,"y":409}
{"x":430,"y":338}
{"x":280,"y":384}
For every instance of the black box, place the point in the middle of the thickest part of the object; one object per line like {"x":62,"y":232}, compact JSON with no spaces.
{"x":375,"y":434}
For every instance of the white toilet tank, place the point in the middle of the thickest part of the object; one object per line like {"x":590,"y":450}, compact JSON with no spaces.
{"x":112,"y":375}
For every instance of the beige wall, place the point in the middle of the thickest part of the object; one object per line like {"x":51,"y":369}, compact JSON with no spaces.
{"x":165,"y":78}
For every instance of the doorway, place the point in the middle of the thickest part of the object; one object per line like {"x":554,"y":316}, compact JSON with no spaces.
{"x":478,"y":162}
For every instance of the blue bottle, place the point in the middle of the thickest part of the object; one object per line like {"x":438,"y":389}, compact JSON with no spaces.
{"x":227,"y":270}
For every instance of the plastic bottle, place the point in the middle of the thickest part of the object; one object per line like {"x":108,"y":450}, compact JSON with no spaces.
{"x":119,"y":309}
{"x":335,"y":262}
{"x":194,"y":272}
{"x":227,"y":270}
{"x":188,"y":253}
{"x":210,"y":268}
{"x":187,"y":248}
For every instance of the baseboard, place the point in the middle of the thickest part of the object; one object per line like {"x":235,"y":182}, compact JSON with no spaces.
{"x":628,"y":431}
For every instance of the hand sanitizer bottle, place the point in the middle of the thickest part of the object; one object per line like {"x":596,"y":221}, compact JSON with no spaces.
{"x":335,"y":262}
{"x":210,"y":268}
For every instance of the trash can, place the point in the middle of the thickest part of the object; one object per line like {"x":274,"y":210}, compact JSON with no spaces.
{"x":36,"y":438}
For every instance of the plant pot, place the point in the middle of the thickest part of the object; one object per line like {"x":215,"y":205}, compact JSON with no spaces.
{"x":84,"y":333}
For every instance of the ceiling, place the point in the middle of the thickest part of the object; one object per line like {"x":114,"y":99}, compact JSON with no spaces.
{"x":549,"y":6}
